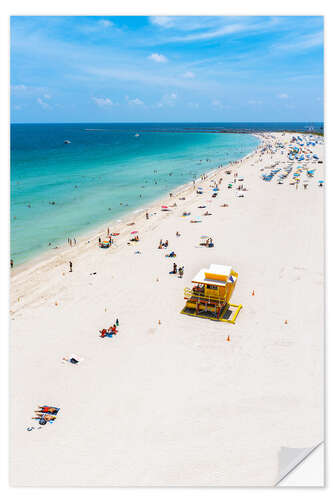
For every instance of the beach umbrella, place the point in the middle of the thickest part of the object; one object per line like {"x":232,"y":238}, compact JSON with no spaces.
{"x":164,"y":206}
{"x":204,"y":237}
{"x":134,"y":232}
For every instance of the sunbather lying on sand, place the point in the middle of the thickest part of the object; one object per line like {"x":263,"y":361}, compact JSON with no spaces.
{"x":49,"y":409}
{"x":171,"y":254}
{"x":47,"y":417}
{"x":74,"y":360}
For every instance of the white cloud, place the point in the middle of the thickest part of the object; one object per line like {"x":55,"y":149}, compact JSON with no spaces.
{"x":43,"y":104}
{"x":188,"y":74}
{"x":102,"y":101}
{"x":217,"y":104}
{"x":28,"y":90}
{"x":163,"y":21}
{"x":136,"y":101}
{"x":159,"y":58}
{"x":95,"y":26}
{"x":210,"y":27}
{"x":19,"y":87}
{"x":168,"y":100}
{"x":105,"y":23}
{"x":282,"y":96}
{"x":302,"y":42}
{"x":208,"y":35}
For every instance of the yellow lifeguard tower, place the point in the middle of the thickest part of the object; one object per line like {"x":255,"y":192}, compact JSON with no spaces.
{"x":210,"y":297}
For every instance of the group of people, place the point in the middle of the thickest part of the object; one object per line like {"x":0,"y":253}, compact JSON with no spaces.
{"x":180,"y":270}
{"x":135,"y":238}
{"x":163,"y":244}
{"x":71,"y":241}
{"x":109,"y":332}
{"x":208,"y":243}
{"x":109,"y":238}
{"x":45,"y":414}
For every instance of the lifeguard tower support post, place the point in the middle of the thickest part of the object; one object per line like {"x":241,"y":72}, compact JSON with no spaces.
{"x":211,"y":295}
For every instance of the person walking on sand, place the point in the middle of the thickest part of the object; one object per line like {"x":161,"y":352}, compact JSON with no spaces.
{"x":70,"y":267}
{"x":147,"y":215}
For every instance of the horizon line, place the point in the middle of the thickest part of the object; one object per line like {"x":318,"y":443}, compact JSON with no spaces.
{"x":160,"y":122}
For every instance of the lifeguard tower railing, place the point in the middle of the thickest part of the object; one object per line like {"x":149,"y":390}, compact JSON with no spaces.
{"x":190,"y":294}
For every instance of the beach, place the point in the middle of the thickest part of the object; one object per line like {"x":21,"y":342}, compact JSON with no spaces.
{"x":169,"y":401}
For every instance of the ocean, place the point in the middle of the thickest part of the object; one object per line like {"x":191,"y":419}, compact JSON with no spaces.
{"x":60,"y":190}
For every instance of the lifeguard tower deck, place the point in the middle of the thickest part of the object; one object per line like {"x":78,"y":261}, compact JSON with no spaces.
{"x":211,"y":295}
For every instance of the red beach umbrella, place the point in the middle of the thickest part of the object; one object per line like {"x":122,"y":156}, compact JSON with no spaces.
{"x":134,"y":232}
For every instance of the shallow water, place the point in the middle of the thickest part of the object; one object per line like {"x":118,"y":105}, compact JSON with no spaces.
{"x":102,"y":174}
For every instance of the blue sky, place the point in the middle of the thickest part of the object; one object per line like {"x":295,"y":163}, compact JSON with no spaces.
{"x":156,"y":69}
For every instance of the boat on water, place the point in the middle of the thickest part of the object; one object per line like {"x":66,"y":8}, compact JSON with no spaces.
{"x":137,"y":135}
{"x":67,"y":142}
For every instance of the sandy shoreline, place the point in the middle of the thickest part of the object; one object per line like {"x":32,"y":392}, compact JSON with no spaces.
{"x":93,"y":234}
{"x":168,"y":401}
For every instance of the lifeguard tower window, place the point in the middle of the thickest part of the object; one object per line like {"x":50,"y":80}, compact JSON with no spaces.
{"x":212,"y":287}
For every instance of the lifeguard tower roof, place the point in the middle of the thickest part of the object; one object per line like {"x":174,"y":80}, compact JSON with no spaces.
{"x":215,"y":275}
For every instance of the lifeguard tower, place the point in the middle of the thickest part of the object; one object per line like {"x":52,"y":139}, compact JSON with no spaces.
{"x":210,"y":297}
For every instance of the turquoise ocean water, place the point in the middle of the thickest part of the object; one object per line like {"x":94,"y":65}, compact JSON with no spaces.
{"x":102,"y":167}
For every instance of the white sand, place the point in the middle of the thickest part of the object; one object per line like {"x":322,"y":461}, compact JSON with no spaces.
{"x":175,"y":403}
